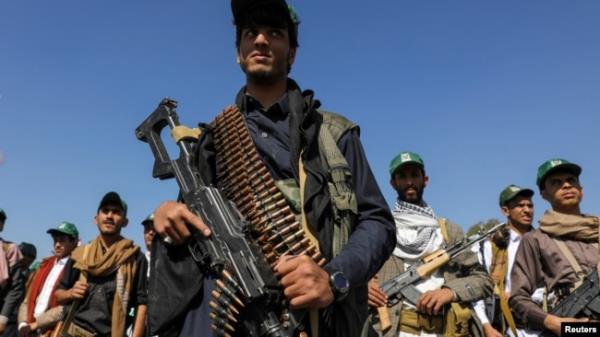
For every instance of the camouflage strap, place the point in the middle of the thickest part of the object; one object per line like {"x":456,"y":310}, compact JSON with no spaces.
{"x":342,"y":197}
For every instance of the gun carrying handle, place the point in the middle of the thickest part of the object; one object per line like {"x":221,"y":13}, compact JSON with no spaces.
{"x":433,"y":264}
{"x":150,"y":130}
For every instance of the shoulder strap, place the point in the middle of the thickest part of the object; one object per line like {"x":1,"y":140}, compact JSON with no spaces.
{"x":444,"y":229}
{"x":342,"y":197}
{"x":336,"y":124}
{"x":572,"y":261}
{"x":312,"y":313}
{"x":499,"y":264}
{"x":307,"y":229}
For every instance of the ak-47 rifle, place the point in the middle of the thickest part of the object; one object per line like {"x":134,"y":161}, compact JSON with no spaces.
{"x":402,"y":286}
{"x":228,"y":253}
{"x":583,"y":302}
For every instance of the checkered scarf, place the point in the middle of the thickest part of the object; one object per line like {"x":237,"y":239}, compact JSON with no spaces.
{"x":416,"y":230}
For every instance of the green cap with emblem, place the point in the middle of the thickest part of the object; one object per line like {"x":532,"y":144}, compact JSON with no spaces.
{"x":556,"y":164}
{"x":2,"y":214}
{"x":404,"y":158}
{"x":65,"y":228}
{"x":149,"y":220}
{"x":511,"y":191}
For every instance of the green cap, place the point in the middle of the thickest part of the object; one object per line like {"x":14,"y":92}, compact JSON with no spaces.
{"x":553,"y":165}
{"x":2,"y":214}
{"x":149,"y":220}
{"x":511,"y":191}
{"x":240,"y":8}
{"x":406,"y":158}
{"x":35,"y":266}
{"x":28,"y":249}
{"x":113,"y":198}
{"x":66,"y":228}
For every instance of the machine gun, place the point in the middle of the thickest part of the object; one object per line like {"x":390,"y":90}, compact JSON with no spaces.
{"x":584,"y":301}
{"x":402,"y":287}
{"x":248,"y":286}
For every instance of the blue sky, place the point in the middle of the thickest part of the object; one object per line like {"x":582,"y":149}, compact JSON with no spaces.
{"x":485,"y":91}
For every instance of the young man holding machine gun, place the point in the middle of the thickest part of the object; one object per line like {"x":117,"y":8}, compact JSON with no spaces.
{"x":317,"y":161}
{"x":560,"y":253}
{"x":419,"y":233}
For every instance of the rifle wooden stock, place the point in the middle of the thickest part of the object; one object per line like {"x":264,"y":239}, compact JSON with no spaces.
{"x":66,"y":324}
{"x":384,"y":318}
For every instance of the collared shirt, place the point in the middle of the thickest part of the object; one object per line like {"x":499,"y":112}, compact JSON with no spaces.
{"x":373,"y":238}
{"x":270,"y":132}
{"x":41,"y":304}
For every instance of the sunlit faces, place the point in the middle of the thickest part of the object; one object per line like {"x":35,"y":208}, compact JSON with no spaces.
{"x":409,"y":181}
{"x":110,"y":219}
{"x":63,"y":245}
{"x":519,"y":211}
{"x":562,"y":190}
{"x":265,"y":54}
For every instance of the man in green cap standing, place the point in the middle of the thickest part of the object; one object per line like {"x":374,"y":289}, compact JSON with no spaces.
{"x":12,"y":282}
{"x":39,"y":313}
{"x":560,"y":253}
{"x":419,"y":232}
{"x":106,"y":278}
{"x":498,"y":256}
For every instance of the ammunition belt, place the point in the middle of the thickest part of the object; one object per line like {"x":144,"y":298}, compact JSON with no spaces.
{"x":246,"y":181}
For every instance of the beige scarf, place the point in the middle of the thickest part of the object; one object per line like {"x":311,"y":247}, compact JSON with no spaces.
{"x":583,"y":227}
{"x":102,"y":261}
{"x":574,"y":227}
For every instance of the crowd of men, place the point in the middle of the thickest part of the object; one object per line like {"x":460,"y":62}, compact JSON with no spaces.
{"x":507,"y":285}
{"x":92,"y":289}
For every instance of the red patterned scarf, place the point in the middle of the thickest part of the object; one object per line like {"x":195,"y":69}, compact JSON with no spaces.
{"x":37,"y":284}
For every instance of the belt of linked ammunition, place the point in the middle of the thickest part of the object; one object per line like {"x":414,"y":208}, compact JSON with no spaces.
{"x":245,"y":180}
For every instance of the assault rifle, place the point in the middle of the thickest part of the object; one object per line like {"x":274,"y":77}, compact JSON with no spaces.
{"x":582,"y":302}
{"x":229,"y":252}
{"x":402,"y":287}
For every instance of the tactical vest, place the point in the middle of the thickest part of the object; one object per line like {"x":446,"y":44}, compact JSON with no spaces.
{"x":343,"y":199}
